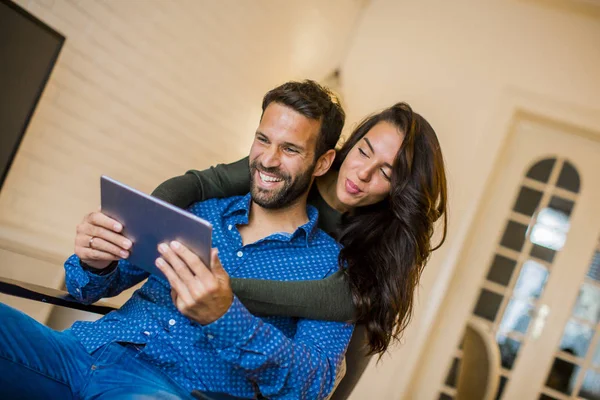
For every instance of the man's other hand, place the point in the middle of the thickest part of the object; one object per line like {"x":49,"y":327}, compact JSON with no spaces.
{"x":99,"y":241}
{"x":200,"y":293}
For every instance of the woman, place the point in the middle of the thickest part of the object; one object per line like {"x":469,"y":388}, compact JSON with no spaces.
{"x":380,"y":200}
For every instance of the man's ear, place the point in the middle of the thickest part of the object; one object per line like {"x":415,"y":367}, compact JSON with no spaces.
{"x":324,"y":163}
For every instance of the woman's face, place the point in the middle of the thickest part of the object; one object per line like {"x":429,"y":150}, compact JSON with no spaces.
{"x":365,"y":174}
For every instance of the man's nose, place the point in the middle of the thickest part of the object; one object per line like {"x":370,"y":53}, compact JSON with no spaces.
{"x":271,"y":157}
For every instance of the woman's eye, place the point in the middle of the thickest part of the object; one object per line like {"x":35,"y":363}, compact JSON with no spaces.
{"x":386,"y":176}
{"x":362,"y":153}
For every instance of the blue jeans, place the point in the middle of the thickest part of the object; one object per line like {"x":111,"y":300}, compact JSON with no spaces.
{"x":37,"y":362}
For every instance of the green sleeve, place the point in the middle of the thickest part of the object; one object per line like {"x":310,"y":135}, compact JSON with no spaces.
{"x":222,"y":180}
{"x":325,"y":299}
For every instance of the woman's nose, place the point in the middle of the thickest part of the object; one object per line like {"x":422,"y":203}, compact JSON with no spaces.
{"x":364,"y":174}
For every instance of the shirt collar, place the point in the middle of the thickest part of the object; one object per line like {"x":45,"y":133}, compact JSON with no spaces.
{"x":241,"y":208}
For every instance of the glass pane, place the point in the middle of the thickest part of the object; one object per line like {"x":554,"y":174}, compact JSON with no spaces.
{"x":501,"y":386}
{"x":528,"y":201}
{"x":550,"y":229}
{"x":596,"y":360}
{"x":453,"y":373}
{"x":543,"y":253}
{"x":588,"y":303}
{"x":514,"y":236}
{"x":563,"y":205}
{"x":488,"y":305}
{"x":562,"y":376}
{"x":576,"y":339}
{"x":501,"y":270}
{"x":531,"y":280}
{"x":509,"y":348}
{"x":594,"y":271}
{"x":568,"y":178}
{"x":541,"y":170}
{"x":590,"y":388}
{"x":516,"y":317}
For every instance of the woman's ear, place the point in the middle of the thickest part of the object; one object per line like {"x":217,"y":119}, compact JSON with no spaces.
{"x":324,"y":163}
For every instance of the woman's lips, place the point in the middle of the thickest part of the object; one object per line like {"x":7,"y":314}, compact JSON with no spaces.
{"x":352,"y":188}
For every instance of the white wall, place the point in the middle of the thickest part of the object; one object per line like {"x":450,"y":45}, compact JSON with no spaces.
{"x":146,"y":89}
{"x":454,"y":62}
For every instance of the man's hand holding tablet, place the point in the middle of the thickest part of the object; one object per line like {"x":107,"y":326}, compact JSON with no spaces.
{"x":151,"y":234}
{"x":99,"y":242}
{"x":200,"y":293}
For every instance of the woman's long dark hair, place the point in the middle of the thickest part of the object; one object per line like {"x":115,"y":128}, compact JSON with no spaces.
{"x":387,"y":244}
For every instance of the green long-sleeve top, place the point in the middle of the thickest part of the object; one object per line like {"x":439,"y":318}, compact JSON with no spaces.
{"x":327,"y":299}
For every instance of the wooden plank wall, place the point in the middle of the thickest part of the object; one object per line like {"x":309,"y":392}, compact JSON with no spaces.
{"x":146,"y":89}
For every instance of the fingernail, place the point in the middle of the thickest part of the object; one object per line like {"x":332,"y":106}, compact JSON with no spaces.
{"x":124,"y":254}
{"x":160,"y":261}
{"x":127,"y":243}
{"x":118,"y":227}
{"x":175,"y":244}
{"x":162,"y":247}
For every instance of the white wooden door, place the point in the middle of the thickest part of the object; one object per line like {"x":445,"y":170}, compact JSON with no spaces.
{"x":529,"y":253}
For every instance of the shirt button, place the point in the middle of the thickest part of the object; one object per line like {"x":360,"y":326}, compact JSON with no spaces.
{"x":230,"y":227}
{"x":239,"y":254}
{"x":77,"y":290}
{"x":146,"y":333}
{"x":171,"y":322}
{"x":209,"y":336}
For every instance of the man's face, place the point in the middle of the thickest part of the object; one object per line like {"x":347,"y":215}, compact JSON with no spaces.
{"x":282,"y":157}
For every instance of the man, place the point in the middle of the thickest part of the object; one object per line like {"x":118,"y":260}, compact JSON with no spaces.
{"x":192,"y":332}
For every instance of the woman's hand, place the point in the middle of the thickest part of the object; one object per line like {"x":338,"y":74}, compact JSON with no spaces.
{"x":98,"y":240}
{"x":200,"y":293}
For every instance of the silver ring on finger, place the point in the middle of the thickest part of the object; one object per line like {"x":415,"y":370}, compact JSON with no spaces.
{"x":91,"y":242}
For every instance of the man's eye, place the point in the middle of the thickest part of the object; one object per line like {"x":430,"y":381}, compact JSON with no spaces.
{"x":290,"y":150}
{"x":261,"y":139}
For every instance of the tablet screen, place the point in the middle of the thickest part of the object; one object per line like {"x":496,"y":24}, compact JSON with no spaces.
{"x":148,"y":221}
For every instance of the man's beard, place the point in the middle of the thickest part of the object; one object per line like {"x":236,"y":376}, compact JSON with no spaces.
{"x":284,"y":196}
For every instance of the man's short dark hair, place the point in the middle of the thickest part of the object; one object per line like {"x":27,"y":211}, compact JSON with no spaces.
{"x":314,"y":102}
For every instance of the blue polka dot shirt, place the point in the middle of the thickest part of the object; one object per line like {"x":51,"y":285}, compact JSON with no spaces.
{"x":239,"y":354}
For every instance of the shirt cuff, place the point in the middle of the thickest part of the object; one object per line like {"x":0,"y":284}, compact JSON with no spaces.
{"x":77,"y":278}
{"x":235,"y":326}
{"x":99,"y":271}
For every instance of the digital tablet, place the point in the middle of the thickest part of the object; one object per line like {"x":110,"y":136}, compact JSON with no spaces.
{"x":148,"y":221}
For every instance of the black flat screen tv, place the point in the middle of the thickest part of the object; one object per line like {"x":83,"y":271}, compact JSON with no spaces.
{"x":28,"y":51}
